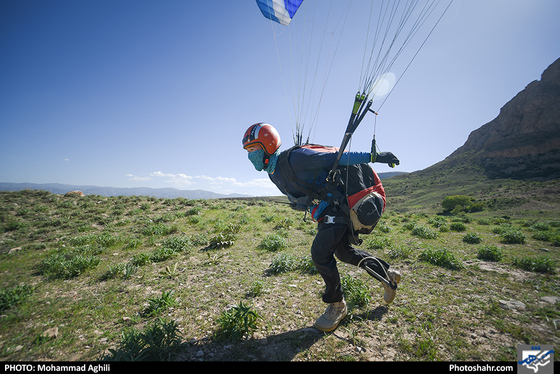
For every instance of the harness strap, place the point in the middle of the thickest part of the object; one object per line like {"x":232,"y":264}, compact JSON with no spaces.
{"x":377,"y":276}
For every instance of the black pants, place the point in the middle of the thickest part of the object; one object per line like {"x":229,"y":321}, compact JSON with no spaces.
{"x":332,"y":239}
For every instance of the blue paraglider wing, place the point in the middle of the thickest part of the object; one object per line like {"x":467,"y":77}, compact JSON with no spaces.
{"x":281,"y":11}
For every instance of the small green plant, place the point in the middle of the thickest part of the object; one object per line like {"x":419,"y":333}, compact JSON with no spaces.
{"x":441,"y":257}
{"x":158,"y":342}
{"x":267,"y":218}
{"x":162,"y":254}
{"x":170,"y":271}
{"x":67,"y":264}
{"x":134,"y":244}
{"x":159,"y":304}
{"x":141,"y":259}
{"x":282,"y":263}
{"x":472,"y":238}
{"x":257,"y":289}
{"x":237,"y":322}
{"x":273,"y":243}
{"x":356,"y":292}
{"x":490,"y":253}
{"x":400,"y":252}
{"x":306,"y":265}
{"x":177,"y":243}
{"x":377,"y":242}
{"x":10,"y":297}
{"x":222,"y":240}
{"x":284,"y":223}
{"x":214,"y":258}
{"x":159,"y":229}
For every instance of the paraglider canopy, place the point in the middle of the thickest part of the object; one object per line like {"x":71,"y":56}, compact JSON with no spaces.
{"x":281,"y":11}
{"x":391,"y":28}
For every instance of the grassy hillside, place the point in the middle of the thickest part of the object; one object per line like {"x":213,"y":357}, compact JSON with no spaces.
{"x":144,"y":278}
{"x":424,"y":191}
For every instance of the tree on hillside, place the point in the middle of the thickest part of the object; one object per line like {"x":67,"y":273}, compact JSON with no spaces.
{"x":456,"y":203}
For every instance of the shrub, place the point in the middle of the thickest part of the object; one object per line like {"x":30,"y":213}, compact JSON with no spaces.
{"x":544,"y":236}
{"x":458,"y":226}
{"x":540,"y":264}
{"x":472,"y":238}
{"x":441,"y":257}
{"x":477,"y":207}
{"x":457,"y":202}
{"x":541,"y":226}
{"x":512,"y":237}
{"x":490,"y":253}
{"x":424,"y":232}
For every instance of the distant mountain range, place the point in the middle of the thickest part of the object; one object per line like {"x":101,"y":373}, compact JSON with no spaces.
{"x":168,"y":193}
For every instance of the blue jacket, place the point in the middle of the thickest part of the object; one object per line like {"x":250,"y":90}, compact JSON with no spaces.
{"x":313,"y":167}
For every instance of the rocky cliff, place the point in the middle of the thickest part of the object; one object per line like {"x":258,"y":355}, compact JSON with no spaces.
{"x":523,"y":142}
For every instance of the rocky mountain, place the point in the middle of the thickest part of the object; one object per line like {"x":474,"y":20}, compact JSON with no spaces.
{"x":523,"y":142}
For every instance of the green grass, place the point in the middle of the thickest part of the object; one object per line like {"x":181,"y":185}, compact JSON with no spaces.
{"x":142,"y":278}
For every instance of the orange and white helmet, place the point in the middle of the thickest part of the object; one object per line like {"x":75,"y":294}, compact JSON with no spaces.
{"x":263,"y":134}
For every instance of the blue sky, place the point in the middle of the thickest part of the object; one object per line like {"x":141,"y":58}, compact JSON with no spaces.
{"x":159,"y":93}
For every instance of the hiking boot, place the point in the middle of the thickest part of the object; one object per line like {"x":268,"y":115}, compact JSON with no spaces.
{"x":394,"y":277}
{"x":331,"y":318}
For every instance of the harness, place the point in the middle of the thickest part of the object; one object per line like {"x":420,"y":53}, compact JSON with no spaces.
{"x":313,"y":193}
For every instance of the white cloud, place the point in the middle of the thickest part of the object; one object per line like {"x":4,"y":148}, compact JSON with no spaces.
{"x":133,"y":177}
{"x":204,"y":182}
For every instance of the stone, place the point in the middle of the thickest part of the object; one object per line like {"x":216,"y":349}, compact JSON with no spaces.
{"x":512,"y":304}
{"x":551,"y":299}
{"x":51,"y":333}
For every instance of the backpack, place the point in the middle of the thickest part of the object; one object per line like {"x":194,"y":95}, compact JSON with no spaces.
{"x":363,"y":200}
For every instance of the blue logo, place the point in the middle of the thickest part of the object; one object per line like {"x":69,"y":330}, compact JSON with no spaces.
{"x":535,"y":359}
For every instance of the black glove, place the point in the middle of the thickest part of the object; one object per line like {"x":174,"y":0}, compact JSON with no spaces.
{"x":385,"y":158}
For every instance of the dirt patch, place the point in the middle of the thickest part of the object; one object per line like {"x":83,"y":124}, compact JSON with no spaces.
{"x":514,"y":274}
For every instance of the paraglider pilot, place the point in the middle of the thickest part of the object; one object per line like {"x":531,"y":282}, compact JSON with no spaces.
{"x":262,"y":142}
